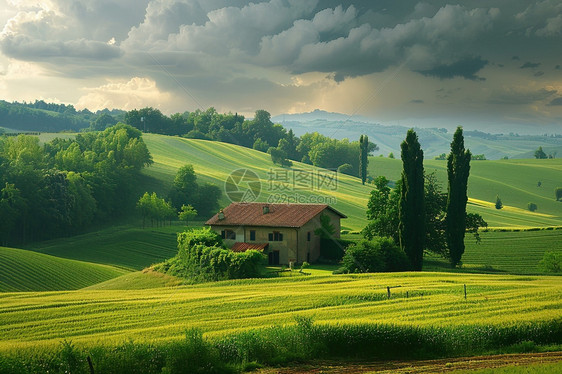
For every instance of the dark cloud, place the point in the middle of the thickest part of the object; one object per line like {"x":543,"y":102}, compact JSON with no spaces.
{"x":530,"y":65}
{"x":466,"y":68}
{"x":520,"y":97}
{"x":556,"y":102}
{"x":247,"y":54}
{"x":24,"y":48}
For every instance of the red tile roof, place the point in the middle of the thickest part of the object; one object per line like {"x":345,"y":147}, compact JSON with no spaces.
{"x":243,"y":247}
{"x":280,"y":215}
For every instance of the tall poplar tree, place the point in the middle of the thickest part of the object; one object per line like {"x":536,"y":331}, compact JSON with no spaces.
{"x":458,"y":169}
{"x":363,"y":157}
{"x":411,"y":211}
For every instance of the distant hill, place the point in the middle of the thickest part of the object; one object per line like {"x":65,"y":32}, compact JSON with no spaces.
{"x":434,"y":141}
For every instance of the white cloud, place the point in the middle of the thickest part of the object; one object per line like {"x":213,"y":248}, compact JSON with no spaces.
{"x":136,"y":93}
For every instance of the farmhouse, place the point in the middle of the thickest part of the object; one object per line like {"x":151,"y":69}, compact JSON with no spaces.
{"x":285,"y":232}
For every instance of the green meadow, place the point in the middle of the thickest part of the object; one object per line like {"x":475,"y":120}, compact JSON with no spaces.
{"x":97,"y":290}
{"x":23,"y":270}
{"x":213,"y":162}
{"x":90,"y":317}
{"x":515,"y":181}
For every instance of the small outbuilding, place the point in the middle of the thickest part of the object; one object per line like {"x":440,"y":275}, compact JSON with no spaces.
{"x":285,"y":232}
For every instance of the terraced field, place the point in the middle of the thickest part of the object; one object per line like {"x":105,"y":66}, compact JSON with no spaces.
{"x":23,"y":270}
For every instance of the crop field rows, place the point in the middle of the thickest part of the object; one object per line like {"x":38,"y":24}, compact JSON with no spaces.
{"x":23,"y":270}
{"x":514,"y":252}
{"x":131,"y":248}
{"x":422,"y":299}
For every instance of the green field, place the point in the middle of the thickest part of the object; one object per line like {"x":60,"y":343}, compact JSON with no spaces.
{"x":23,"y":270}
{"x":90,"y":317}
{"x":128,"y":247}
{"x":213,"y":162}
{"x":515,"y":181}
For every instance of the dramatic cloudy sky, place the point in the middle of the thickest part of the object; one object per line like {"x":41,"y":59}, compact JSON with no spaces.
{"x":492,"y":64}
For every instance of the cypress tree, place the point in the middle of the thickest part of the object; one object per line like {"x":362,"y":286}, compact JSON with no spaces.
{"x":363,"y":157}
{"x":458,"y":169}
{"x":411,"y":211}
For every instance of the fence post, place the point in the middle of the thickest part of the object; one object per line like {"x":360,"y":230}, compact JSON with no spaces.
{"x":388,"y":291}
{"x":91,"y":365}
{"x":465,"y":291}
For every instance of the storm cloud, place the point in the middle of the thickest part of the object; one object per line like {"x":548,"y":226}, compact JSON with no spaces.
{"x":200,"y":52}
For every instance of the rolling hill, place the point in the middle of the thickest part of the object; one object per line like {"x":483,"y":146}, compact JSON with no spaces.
{"x":126,"y":247}
{"x":23,"y":270}
{"x":434,"y":141}
{"x":214,"y":162}
{"x":515,"y":181}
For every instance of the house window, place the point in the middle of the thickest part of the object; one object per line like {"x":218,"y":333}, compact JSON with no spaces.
{"x":275,"y":236}
{"x":253,"y":235}
{"x":308,"y":236}
{"x":228,"y":234}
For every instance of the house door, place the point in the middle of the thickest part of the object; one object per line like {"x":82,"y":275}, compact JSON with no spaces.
{"x":273,"y":257}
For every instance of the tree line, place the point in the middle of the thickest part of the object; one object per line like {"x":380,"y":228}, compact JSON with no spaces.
{"x":259,"y":133}
{"x":64,"y":186}
{"x":43,"y":117}
{"x":186,"y":199}
{"x":417,"y":215}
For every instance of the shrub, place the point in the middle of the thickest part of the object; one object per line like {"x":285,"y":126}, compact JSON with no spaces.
{"x":206,"y":237}
{"x":201,"y":258}
{"x":376,"y":255}
{"x":551,"y":262}
{"x":532,"y":207}
{"x":499,"y":203}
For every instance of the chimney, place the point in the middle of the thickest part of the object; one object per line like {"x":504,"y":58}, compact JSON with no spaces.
{"x":265,"y":209}
{"x":221,"y":215}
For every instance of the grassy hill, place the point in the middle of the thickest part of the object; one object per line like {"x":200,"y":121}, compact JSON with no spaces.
{"x":422,"y":299}
{"x":515,"y":181}
{"x":127,"y":247}
{"x":213,"y":162}
{"x":23,"y":270}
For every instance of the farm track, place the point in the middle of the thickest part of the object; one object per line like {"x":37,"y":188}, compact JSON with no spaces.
{"x":423,"y":366}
